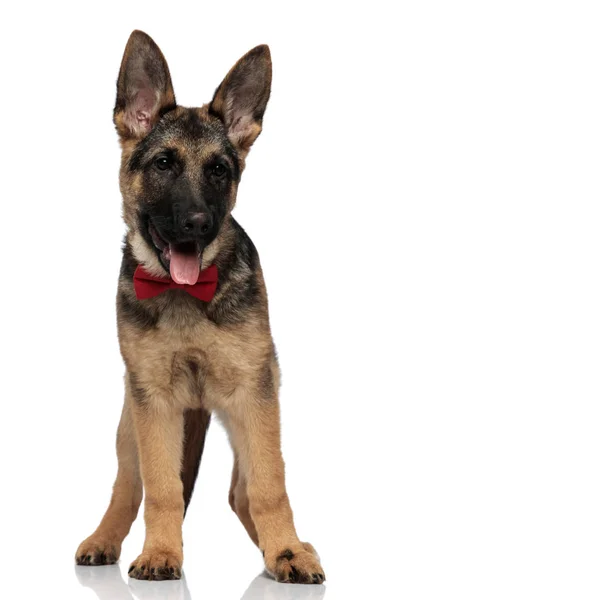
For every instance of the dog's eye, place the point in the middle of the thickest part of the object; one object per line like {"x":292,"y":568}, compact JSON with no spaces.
{"x":163,"y":162}
{"x":219,"y":170}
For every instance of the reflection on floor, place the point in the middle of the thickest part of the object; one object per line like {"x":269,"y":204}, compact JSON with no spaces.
{"x":108,"y":584}
{"x":264,"y":587}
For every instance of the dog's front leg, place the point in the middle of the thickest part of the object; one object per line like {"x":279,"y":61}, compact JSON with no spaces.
{"x":159,"y":435}
{"x":252,"y":421}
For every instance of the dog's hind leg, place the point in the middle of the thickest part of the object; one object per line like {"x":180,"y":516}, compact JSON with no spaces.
{"x":238,"y":500}
{"x":103,"y":547}
{"x":196,"y":424}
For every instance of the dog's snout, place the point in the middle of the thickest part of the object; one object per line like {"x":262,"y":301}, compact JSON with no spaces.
{"x":197,"y":223}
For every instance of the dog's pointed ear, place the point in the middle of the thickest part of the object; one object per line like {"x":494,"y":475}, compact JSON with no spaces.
{"x":144,"y":88}
{"x":241,"y":99}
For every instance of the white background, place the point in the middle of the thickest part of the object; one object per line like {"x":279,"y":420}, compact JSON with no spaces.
{"x":424,"y":198}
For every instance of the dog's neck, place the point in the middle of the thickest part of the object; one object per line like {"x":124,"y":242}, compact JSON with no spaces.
{"x":145,"y":256}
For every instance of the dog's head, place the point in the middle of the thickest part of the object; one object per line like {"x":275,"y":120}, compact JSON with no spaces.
{"x":181,"y":166}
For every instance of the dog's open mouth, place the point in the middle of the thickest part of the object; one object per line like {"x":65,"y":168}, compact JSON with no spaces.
{"x":183,"y":260}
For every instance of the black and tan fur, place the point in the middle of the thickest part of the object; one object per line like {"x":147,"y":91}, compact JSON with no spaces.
{"x":187,"y":359}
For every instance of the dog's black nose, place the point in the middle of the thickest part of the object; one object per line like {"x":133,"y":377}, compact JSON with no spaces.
{"x":197,"y":224}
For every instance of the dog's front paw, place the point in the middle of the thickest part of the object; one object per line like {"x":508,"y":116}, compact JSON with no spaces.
{"x":156,"y":565}
{"x":300,"y":565}
{"x":97,"y":550}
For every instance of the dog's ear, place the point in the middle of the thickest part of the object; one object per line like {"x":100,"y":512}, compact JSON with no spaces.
{"x":144,"y":89}
{"x":242,"y":97}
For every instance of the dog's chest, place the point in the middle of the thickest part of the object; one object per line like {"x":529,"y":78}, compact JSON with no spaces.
{"x":191,"y":365}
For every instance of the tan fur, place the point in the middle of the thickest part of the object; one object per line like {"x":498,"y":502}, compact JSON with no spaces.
{"x":239,"y":502}
{"x":159,"y":435}
{"x":104,"y":545}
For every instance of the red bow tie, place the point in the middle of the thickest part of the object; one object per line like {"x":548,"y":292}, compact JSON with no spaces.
{"x":148,"y":286}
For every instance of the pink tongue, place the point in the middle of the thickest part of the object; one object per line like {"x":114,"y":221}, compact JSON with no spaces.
{"x":185,"y":266}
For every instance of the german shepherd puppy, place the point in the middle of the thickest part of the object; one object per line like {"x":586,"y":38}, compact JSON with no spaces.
{"x":189,"y":354}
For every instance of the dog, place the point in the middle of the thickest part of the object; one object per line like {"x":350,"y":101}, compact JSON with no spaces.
{"x":193,"y":321}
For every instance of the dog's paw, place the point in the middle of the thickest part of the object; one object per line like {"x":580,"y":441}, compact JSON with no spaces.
{"x":97,"y":551}
{"x":156,"y":565}
{"x":300,"y":565}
